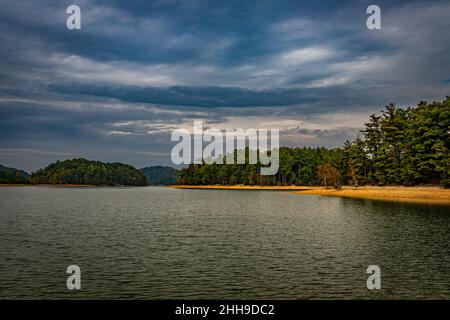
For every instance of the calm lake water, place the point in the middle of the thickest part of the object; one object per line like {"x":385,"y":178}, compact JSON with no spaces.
{"x":152,"y":243}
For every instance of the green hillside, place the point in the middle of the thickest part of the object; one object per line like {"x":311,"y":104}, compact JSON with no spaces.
{"x":11,"y":175}
{"x":82,"y":171}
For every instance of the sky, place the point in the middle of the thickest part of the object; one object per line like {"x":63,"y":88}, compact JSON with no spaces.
{"x":137,"y":70}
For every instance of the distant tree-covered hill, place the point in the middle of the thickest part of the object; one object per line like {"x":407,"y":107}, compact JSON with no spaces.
{"x":82,"y":171}
{"x":160,"y":175}
{"x":11,"y":175}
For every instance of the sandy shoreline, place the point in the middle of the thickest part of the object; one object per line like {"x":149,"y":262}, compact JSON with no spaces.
{"x":426,"y":195}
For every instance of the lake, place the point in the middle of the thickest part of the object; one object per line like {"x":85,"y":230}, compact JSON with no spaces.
{"x":161,"y":243}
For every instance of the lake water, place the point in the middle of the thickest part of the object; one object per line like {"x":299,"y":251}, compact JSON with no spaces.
{"x":152,"y":243}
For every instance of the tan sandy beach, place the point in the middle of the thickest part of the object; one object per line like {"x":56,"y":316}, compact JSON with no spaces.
{"x":430,"y":195}
{"x":426,"y":195}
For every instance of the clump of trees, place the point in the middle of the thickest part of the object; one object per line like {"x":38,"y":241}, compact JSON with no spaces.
{"x":329,"y":174}
{"x":397,"y":147}
{"x":402,"y":146}
{"x":82,"y":171}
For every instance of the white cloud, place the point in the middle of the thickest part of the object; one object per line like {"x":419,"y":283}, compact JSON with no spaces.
{"x":303,"y":55}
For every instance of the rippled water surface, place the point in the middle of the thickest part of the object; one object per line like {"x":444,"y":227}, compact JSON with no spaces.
{"x":165,"y":243}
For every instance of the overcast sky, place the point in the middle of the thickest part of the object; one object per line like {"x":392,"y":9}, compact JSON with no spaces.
{"x":114,"y":90}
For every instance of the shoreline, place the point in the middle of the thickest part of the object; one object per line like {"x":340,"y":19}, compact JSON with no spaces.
{"x":45,"y":185}
{"x":421,"y":195}
{"x":63,"y":185}
{"x":242,"y":187}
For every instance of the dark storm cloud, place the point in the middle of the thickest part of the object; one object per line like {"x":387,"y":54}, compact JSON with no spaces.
{"x":209,"y":97}
{"x":304,"y":100}
{"x":137,"y":69}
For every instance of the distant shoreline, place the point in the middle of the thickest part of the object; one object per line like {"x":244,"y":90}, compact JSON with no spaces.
{"x":420,"y":195}
{"x":424,"y":195}
{"x":46,"y":185}
{"x":64,"y":185}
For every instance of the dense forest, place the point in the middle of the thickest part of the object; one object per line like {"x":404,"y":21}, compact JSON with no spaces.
{"x":160,"y":175}
{"x":82,"y":171}
{"x":13,"y":176}
{"x":397,"y":147}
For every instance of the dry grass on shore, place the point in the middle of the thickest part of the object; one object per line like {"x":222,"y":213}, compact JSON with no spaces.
{"x":428,"y":195}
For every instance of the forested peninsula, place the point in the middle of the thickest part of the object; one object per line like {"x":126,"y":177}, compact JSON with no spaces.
{"x":399,"y":146}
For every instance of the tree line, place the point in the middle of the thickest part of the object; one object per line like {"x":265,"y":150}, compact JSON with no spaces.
{"x":399,"y":146}
{"x":82,"y":171}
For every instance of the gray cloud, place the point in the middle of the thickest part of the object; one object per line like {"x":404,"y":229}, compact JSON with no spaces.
{"x":115,"y":89}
